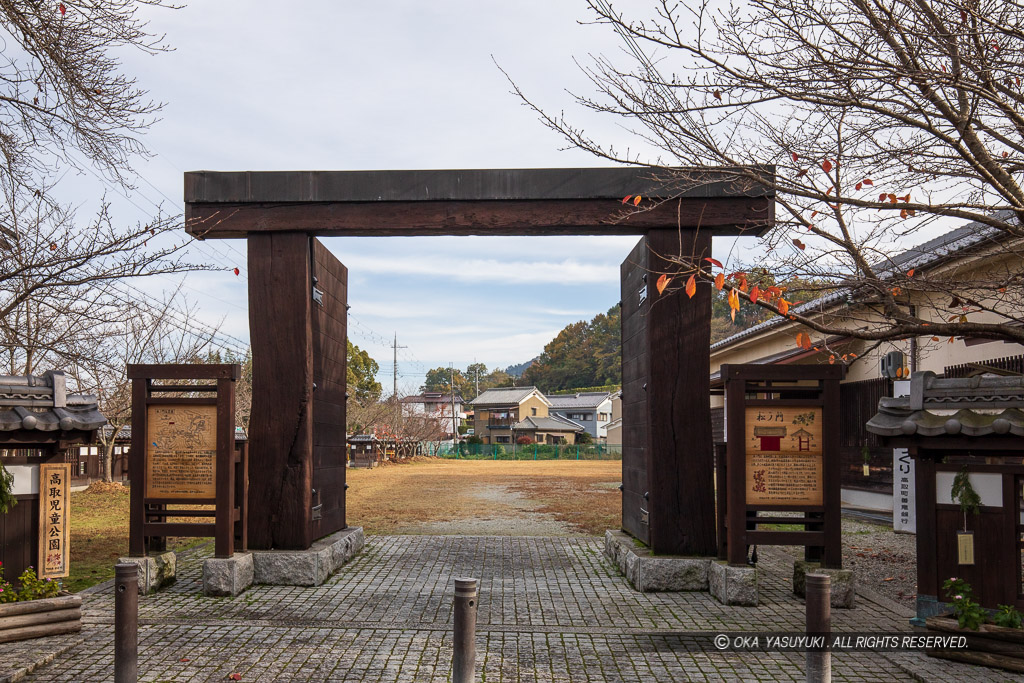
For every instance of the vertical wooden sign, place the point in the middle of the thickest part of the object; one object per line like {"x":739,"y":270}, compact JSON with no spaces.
{"x":54,"y":487}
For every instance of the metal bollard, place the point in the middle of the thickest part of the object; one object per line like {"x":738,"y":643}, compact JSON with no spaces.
{"x":819,"y":623}
{"x":126,"y":623}
{"x":464,"y":655}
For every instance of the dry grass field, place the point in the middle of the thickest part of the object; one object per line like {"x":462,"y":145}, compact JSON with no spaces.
{"x":424,"y":496}
{"x":502,"y":497}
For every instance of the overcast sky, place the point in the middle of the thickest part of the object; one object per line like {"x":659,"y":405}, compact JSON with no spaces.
{"x":341,"y":85}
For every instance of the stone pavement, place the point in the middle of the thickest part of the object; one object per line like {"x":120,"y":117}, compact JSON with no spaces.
{"x":551,"y":609}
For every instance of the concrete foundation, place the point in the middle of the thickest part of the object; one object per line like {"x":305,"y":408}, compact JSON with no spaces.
{"x":227,"y":575}
{"x":843,"y":588}
{"x":310,"y":567}
{"x":655,"y":573}
{"x":155,"y":571}
{"x":733,"y":585}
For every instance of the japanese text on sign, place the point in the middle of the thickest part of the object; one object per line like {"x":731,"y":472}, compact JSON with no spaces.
{"x":54,"y":482}
{"x":181,"y":451}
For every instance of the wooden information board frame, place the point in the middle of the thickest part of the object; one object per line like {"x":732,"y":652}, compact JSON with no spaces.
{"x":782,"y":455}
{"x":184,"y":453}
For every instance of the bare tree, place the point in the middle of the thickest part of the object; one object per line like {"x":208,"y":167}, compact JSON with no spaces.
{"x":872,"y":122}
{"x":152,"y":332}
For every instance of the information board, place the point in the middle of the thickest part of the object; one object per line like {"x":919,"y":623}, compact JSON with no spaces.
{"x":181,"y":451}
{"x":783,"y":447}
{"x":54,"y":485}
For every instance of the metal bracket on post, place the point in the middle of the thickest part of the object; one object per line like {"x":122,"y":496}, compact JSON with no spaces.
{"x":464,"y":642}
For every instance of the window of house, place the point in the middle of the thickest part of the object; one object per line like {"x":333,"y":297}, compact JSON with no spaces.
{"x":502,"y":439}
{"x":589,"y":416}
{"x":602,"y":417}
{"x":534,"y":411}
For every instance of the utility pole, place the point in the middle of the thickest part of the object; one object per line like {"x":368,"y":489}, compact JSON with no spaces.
{"x":455,"y":424}
{"x":395,"y":346}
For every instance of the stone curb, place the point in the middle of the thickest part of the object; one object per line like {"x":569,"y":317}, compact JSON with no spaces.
{"x":23,"y":671}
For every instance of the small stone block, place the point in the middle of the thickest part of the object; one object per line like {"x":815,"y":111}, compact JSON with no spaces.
{"x":227,"y":575}
{"x":842,"y":587}
{"x":733,"y":585}
{"x":649,"y":573}
{"x":155,"y":571}
{"x":311,"y":567}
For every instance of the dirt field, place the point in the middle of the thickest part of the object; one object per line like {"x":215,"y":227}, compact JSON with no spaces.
{"x":485,"y":497}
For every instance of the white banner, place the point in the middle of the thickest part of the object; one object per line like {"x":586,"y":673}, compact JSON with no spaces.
{"x":904,"y":515}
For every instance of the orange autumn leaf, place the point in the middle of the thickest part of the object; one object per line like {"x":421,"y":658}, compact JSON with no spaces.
{"x":719,"y":281}
{"x":754,"y":294}
{"x":783,"y":306}
{"x":663,"y":283}
{"x":903,"y":213}
{"x":950,"y":340}
{"x":636,"y":200}
{"x":867,"y":181}
{"x":627,"y":198}
{"x":799,"y":245}
{"x":910,"y":273}
{"x":858,"y":186}
{"x":713,"y":262}
{"x":832,"y":359}
{"x":691,"y":286}
{"x":935,"y":339}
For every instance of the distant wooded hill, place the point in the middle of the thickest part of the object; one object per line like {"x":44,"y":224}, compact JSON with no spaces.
{"x":518,"y":370}
{"x":583,"y":354}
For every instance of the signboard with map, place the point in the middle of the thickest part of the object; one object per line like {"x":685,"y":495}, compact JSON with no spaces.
{"x":783,"y":446}
{"x":181,"y":451}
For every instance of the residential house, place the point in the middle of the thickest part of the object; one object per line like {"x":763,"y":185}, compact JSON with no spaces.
{"x":614,"y":427}
{"x":503,"y":415}
{"x":969,"y":249}
{"x":592,"y":409}
{"x":440,"y":409}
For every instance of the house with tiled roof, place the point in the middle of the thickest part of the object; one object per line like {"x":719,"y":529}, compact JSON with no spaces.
{"x":973,"y":248}
{"x":504,"y":414}
{"x":592,"y":409}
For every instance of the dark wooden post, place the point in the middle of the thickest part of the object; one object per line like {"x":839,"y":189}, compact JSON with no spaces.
{"x":225,"y":512}
{"x":832,"y":554}
{"x":736,"y":495}
{"x":668,"y":451}
{"x":137,"y":469}
{"x":281,"y":421}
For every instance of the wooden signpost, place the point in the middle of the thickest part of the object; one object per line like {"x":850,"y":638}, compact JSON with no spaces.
{"x":184,"y":453}
{"x":54,"y":487}
{"x":782,"y":455}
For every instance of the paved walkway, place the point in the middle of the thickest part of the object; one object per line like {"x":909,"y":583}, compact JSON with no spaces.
{"x":551,"y":609}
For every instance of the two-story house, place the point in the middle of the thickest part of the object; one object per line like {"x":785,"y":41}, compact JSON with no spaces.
{"x":591,"y":409}
{"x":441,"y":410}
{"x":503,"y":415}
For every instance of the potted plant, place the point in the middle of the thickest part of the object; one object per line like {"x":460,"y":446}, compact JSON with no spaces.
{"x":36,"y":608}
{"x":993,"y":639}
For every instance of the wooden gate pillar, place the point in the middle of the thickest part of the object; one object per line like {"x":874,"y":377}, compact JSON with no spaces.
{"x":298,"y":346}
{"x":667,"y":461}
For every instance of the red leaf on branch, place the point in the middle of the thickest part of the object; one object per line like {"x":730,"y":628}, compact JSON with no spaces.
{"x":795,"y":157}
{"x":903,"y":213}
{"x":636,"y":200}
{"x":719,"y":281}
{"x":832,"y":359}
{"x":1006,"y":154}
{"x":62,"y":8}
{"x":755,"y":293}
{"x":935,"y":339}
{"x":236,"y":271}
{"x":858,"y":186}
{"x":799,"y":245}
{"x":691,"y":286}
{"x":826,"y":166}
{"x":627,"y":198}
{"x":963,"y":15}
{"x":663,"y":283}
{"x":718,"y":95}
{"x":950,"y":341}
{"x":713,"y":262}
{"x":801,"y":173}
{"x":53,"y":246}
{"x":867,"y":181}
{"x":882,"y":197}
{"x":910,"y":273}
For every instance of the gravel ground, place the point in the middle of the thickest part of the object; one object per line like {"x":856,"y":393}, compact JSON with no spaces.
{"x":882,"y":560}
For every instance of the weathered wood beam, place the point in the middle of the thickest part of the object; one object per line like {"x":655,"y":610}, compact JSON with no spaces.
{"x":731,"y":215}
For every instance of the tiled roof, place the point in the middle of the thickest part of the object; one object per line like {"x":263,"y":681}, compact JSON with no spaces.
{"x":590,"y":399}
{"x":505,"y":396}
{"x":929,"y":253}
{"x":554,"y":423}
{"x":42,"y":403}
{"x":928,"y":411}
{"x":430,"y":397}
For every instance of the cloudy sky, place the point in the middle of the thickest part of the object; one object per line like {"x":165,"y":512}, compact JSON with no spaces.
{"x":392,"y":84}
